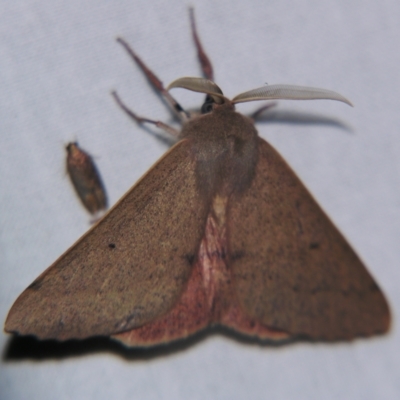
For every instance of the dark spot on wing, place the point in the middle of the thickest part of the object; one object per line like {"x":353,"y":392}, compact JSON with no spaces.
{"x":190,"y":258}
{"x":237,"y":256}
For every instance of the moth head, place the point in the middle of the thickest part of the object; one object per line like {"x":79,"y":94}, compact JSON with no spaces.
{"x":71,"y":146}
{"x":214,"y":95}
{"x":268,"y":92}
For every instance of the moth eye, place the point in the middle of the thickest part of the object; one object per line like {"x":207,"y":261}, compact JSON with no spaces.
{"x":207,"y":106}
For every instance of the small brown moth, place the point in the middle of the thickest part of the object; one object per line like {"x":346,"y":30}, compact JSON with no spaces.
{"x":86,"y":179}
{"x":219,"y":231}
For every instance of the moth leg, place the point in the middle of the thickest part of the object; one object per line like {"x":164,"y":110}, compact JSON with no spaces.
{"x":158,"y":86}
{"x":205,"y":62}
{"x":140,"y":120}
{"x":256,"y":114}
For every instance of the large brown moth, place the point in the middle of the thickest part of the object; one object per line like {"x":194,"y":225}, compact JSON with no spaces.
{"x":219,"y":231}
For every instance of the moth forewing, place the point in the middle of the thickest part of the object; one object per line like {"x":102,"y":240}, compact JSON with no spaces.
{"x":112,"y":279}
{"x":293,"y":269}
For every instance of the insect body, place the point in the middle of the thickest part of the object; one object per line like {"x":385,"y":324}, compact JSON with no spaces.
{"x":219,"y":231}
{"x":86,"y":179}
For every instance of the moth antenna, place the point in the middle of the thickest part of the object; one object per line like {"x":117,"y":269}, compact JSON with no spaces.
{"x":140,"y":120}
{"x":289,"y":92}
{"x":201,"y":85}
{"x":205,"y":62}
{"x":156,"y":83}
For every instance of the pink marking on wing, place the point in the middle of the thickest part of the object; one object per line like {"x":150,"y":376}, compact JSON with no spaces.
{"x":208,"y":298}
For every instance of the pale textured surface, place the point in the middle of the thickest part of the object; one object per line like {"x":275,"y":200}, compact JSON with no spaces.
{"x":58,"y":63}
